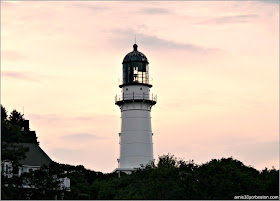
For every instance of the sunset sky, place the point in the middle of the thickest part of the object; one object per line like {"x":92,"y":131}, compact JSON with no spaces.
{"x":215,"y":70}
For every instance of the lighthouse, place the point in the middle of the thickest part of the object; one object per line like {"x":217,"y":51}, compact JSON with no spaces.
{"x":135,"y":138}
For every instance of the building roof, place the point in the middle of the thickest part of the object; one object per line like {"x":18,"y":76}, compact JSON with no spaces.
{"x":135,"y":56}
{"x":35,"y":156}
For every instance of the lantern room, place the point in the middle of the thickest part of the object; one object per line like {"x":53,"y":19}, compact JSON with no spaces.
{"x":135,"y":68}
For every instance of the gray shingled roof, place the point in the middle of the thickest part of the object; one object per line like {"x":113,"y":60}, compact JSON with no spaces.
{"x":35,"y":156}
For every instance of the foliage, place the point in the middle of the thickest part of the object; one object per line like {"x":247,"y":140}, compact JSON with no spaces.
{"x":45,"y":184}
{"x":11,"y":188}
{"x":11,"y":134}
{"x":270,"y":181}
{"x":173,"y":178}
{"x":177,"y":179}
{"x":170,"y":178}
{"x":11,"y":128}
{"x":3,"y":113}
{"x":41,"y":184}
{"x":16,"y":118}
{"x":13,"y":152}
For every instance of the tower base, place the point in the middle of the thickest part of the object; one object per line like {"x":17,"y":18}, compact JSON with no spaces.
{"x":125,"y":170}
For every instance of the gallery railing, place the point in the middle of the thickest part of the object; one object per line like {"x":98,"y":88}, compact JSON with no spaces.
{"x":136,"y":96}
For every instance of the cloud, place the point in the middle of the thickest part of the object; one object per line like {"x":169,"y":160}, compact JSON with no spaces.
{"x":20,"y":75}
{"x":154,"y":42}
{"x":11,"y":55}
{"x":65,"y":155}
{"x":80,"y":136}
{"x":27,"y":76}
{"x":90,"y":7}
{"x":229,"y":19}
{"x":95,"y":121}
{"x":271,"y":1}
{"x":154,"y":11}
{"x":57,"y":117}
{"x":6,"y":4}
{"x":48,"y":118}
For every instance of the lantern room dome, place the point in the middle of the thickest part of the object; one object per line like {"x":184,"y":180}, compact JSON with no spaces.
{"x":135,"y":56}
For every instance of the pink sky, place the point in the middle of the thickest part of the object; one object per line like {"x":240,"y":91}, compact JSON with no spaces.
{"x":215,"y":69}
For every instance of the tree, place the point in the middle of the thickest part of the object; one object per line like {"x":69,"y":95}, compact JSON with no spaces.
{"x":3,"y":113}
{"x":16,"y":118}
{"x":172,"y":178}
{"x":270,"y":181}
{"x":11,"y":129}
{"x":42,"y":182}
{"x":13,"y":153}
{"x":11,"y":133}
{"x":11,"y":188}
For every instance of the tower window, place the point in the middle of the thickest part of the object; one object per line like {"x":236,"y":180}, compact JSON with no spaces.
{"x":135,"y":74}
{"x":135,"y":70}
{"x":126,"y":89}
{"x":141,"y":88}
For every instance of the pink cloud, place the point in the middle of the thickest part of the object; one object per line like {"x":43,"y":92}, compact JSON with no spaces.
{"x":11,"y":55}
{"x":230,"y":19}
{"x":27,"y":76}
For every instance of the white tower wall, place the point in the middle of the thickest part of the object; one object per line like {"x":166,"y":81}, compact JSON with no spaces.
{"x":136,"y":145}
{"x":138,"y":90}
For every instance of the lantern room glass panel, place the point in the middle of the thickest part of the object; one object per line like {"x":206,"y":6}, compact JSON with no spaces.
{"x":135,"y":72}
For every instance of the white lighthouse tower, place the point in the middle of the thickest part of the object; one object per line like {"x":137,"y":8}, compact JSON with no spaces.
{"x":136,"y":144}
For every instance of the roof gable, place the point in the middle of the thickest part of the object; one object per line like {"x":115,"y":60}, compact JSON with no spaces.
{"x":35,"y":156}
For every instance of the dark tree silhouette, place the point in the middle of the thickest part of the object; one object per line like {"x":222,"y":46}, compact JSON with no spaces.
{"x":15,"y":129}
{"x":170,"y":178}
{"x":16,"y":118}
{"x":3,"y":113}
